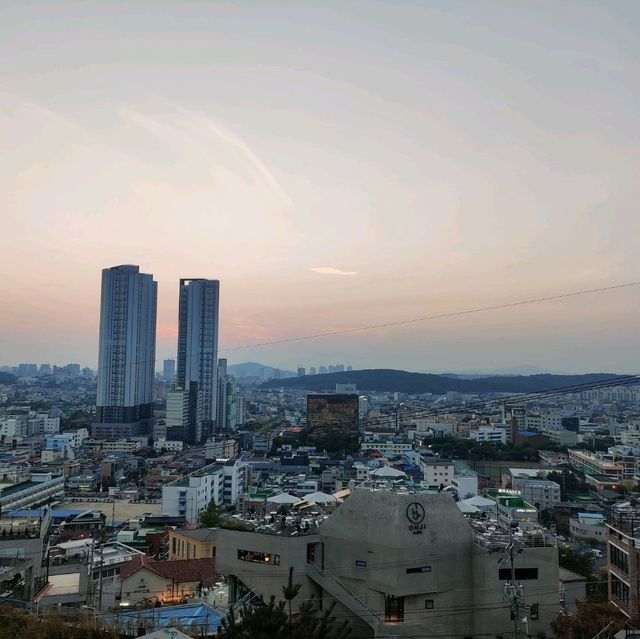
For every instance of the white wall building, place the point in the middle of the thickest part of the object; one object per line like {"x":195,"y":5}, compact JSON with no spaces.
{"x":190,"y":496}
{"x":436,"y":471}
{"x":489,"y":434}
{"x":541,"y":493}
{"x":172,"y":445}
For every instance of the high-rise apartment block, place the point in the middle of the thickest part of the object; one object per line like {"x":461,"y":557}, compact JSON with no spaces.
{"x":227,"y":408}
{"x":198,"y":349}
{"x":169,"y":370}
{"x":126,"y":357}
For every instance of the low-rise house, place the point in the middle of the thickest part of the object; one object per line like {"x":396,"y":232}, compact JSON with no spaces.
{"x":590,"y":526}
{"x":195,"y":543}
{"x":165,"y":582}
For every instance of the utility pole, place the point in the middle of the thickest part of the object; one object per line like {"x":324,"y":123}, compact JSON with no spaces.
{"x":100,"y":578}
{"x":513,"y":592}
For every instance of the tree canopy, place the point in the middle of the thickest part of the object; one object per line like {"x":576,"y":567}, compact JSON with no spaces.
{"x":211,"y":516}
{"x":277,"y":621}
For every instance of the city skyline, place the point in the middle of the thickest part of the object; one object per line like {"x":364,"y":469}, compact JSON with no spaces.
{"x":334,"y":168}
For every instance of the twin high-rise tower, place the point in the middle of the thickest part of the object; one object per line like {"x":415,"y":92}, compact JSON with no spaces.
{"x":198,"y":320}
{"x":127,"y":352}
{"x":126,"y":361}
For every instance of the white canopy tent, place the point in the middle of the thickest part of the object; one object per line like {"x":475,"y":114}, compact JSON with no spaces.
{"x":320,"y":498}
{"x":284,"y":499}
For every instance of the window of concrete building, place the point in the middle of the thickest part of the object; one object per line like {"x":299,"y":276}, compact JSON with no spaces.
{"x":522,"y":574}
{"x":418,"y":570}
{"x":259,"y":557}
{"x":393,"y":608}
{"x":619,"y":590}
{"x":428,"y":604}
{"x":534,"y":613}
{"x":311,"y":553}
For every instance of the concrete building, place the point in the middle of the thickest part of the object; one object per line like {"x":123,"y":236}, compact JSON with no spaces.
{"x":489,"y":434}
{"x":198,"y":543}
{"x":171,"y":445}
{"x":541,"y":493}
{"x":40,"y":489}
{"x":589,"y":526}
{"x":177,"y":417}
{"x":127,"y":353}
{"x":595,"y":464}
{"x":436,"y":472}
{"x":465,"y":483}
{"x":511,"y":507}
{"x":198,"y":321}
{"x":623,"y":545}
{"x":23,"y":546}
{"x":386,"y":446}
{"x":399,"y":565}
{"x":188,"y":497}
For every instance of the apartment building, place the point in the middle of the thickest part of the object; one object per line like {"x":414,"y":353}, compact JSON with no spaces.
{"x":623,"y":553}
{"x":40,"y":489}
{"x":541,"y":493}
{"x":389,"y":447}
{"x":221,"y":483}
{"x":436,"y":472}
{"x":595,"y":464}
{"x":489,"y":434}
{"x":589,"y":526}
{"x":399,"y":565}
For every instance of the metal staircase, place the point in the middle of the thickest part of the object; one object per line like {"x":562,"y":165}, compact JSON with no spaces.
{"x":344,"y":595}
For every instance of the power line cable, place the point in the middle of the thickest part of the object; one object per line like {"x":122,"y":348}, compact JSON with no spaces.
{"x":415,"y":320}
{"x":623,"y":380}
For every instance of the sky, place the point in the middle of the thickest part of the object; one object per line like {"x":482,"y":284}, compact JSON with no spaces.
{"x":335,"y":164}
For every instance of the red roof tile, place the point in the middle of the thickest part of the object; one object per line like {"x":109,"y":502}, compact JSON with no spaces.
{"x":179,"y":570}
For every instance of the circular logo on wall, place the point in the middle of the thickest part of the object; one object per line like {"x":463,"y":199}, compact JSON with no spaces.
{"x":415,"y":513}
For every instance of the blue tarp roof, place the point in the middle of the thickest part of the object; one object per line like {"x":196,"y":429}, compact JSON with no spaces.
{"x":56,"y":513}
{"x":196,"y":614}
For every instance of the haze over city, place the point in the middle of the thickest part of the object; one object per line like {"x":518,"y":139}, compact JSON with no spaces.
{"x":334,"y":165}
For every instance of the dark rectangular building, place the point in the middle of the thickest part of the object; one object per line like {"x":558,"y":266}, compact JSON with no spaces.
{"x":332,"y":412}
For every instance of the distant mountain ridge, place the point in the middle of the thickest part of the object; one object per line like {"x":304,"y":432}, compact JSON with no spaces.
{"x":390,"y":380}
{"x":255,"y":369}
{"x":7,"y":378}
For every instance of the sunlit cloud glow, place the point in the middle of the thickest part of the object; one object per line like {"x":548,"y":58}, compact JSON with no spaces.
{"x":329,"y":270}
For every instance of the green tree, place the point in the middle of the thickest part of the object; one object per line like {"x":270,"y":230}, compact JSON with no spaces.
{"x":211,"y":516}
{"x":571,"y":560}
{"x":290,"y":592}
{"x":589,"y":620}
{"x":271,"y":621}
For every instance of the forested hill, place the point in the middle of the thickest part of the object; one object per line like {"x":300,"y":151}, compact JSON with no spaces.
{"x":380,"y":379}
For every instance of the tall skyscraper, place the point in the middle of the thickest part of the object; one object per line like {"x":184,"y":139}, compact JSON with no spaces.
{"x":127,"y":353}
{"x":198,"y":348}
{"x":221,"y":396}
{"x":169,"y":370}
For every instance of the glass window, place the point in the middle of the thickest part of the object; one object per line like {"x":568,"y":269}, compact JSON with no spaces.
{"x":522,"y":574}
{"x":259,"y":557}
{"x":619,"y":590}
{"x":619,"y":558}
